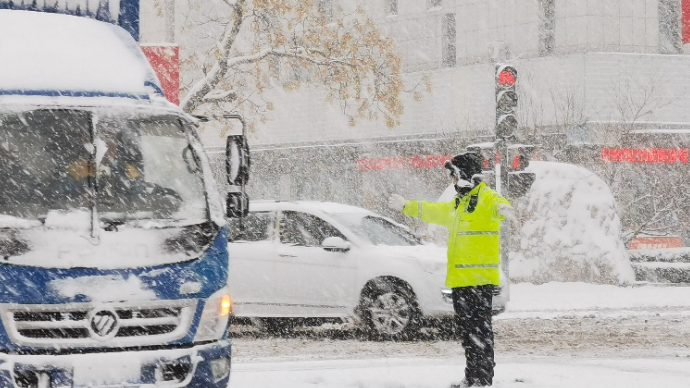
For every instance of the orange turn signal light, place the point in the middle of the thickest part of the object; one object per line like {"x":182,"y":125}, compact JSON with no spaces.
{"x":225,"y":305}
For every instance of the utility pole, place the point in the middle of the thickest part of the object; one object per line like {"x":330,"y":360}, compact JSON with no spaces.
{"x":506,"y":125}
{"x":511,"y":179}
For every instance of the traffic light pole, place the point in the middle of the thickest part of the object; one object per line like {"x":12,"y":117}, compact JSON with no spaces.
{"x":506,"y":126}
{"x":502,"y":185}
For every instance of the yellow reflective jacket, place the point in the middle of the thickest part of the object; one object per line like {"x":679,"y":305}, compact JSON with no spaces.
{"x":473,"y":241}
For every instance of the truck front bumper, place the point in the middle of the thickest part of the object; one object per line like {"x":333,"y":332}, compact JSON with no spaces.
{"x":199,"y":366}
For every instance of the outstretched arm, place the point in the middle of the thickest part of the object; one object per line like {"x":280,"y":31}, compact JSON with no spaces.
{"x":440,"y":213}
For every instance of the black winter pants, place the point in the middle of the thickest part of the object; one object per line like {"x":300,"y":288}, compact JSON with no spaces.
{"x":473,"y":310}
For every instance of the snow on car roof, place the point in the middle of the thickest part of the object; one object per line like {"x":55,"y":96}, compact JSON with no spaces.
{"x":43,"y":52}
{"x":325,"y":207}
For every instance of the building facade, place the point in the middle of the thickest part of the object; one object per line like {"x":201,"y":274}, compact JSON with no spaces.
{"x":579,"y":60}
{"x":591,"y":72}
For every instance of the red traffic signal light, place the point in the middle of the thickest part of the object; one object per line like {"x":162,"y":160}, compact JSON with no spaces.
{"x":506,"y":77}
{"x":519,"y":156}
{"x":506,"y":101}
{"x":517,"y":162}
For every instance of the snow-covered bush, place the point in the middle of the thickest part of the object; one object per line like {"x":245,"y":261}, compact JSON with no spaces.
{"x":571,"y":231}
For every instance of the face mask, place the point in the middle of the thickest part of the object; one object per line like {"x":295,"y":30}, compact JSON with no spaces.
{"x":463,"y":187}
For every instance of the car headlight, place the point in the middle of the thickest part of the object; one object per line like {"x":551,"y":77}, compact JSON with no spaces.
{"x":214,"y":318}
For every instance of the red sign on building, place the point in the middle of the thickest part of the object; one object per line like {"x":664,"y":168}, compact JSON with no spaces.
{"x":638,"y":155}
{"x":165,"y":61}
{"x":655,"y":242}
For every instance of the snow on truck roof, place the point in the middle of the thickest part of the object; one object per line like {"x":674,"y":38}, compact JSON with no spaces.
{"x":52,"y":54}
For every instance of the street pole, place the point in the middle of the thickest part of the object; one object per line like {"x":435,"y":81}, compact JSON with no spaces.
{"x":502,"y":186}
{"x":506,"y":126}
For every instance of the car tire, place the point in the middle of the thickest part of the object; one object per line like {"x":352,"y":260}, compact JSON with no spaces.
{"x":389,"y":310}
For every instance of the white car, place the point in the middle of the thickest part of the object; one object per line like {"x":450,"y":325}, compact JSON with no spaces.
{"x":319,"y":259}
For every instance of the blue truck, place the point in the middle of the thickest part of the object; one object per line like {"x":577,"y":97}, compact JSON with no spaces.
{"x":113,"y":239}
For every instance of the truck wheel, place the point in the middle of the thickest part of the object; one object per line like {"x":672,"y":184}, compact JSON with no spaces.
{"x":390,"y":311}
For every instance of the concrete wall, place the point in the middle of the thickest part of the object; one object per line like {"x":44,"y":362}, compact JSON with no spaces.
{"x":554,"y":91}
{"x":607,"y":25}
{"x":604,"y":87}
{"x":308,"y":117}
{"x":605,"y":61}
{"x":485,"y":25}
{"x":604,"y":65}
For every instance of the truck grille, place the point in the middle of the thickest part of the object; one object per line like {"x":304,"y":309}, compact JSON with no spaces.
{"x":117,"y":325}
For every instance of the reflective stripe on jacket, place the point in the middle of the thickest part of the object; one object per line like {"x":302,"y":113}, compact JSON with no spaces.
{"x":473,"y":241}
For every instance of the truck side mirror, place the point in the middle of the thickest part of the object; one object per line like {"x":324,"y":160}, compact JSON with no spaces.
{"x":237,"y":205}
{"x":237,"y":160}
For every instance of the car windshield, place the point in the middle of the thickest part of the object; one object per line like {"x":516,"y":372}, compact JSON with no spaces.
{"x":51,"y":160}
{"x":377,"y":230}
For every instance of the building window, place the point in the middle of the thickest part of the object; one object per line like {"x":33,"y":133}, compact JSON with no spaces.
{"x":670,"y":40}
{"x":449,"y":46}
{"x":547,"y":27}
{"x":433,"y":4}
{"x":392,"y":7}
{"x":327,"y":8}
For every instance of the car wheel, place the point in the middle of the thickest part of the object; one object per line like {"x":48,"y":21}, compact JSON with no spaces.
{"x":389,"y":310}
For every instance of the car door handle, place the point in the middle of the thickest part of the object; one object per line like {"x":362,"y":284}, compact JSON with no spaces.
{"x":284,"y":255}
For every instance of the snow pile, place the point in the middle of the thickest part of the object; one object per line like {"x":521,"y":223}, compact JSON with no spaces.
{"x":571,"y":231}
{"x":64,"y":53}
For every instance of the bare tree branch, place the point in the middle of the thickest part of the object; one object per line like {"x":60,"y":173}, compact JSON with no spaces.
{"x":204,"y":86}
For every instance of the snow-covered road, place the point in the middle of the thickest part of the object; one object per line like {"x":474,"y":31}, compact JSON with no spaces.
{"x":553,"y":335}
{"x":424,"y":372}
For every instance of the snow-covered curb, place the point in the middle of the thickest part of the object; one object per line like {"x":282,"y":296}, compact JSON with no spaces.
{"x":557,"y":299}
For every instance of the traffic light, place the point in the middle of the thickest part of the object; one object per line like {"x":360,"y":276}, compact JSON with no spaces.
{"x":488,"y":153}
{"x":506,"y":101}
{"x":519,"y":181}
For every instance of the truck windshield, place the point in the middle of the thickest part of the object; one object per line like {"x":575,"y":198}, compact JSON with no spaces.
{"x":129,"y":168}
{"x":137,"y":173}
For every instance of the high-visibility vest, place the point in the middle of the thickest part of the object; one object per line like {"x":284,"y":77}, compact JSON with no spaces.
{"x":474,"y":243}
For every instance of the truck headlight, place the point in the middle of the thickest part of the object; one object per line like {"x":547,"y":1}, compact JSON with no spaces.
{"x":214,"y":318}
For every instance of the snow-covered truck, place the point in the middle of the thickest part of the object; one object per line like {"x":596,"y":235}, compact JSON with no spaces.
{"x":113,"y":241}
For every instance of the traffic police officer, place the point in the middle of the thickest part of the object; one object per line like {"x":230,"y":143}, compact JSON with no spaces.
{"x":473,"y":219}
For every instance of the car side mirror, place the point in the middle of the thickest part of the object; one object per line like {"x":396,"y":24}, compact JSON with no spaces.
{"x":335,"y":244}
{"x":237,"y":205}
{"x":237,"y":160}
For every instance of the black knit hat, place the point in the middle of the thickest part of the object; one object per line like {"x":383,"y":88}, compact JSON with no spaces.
{"x":466,"y":164}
